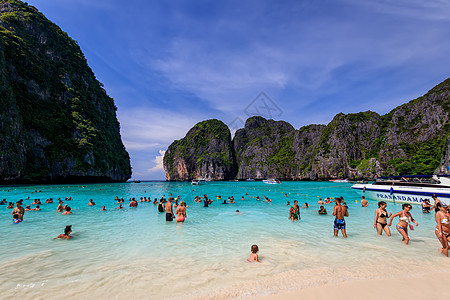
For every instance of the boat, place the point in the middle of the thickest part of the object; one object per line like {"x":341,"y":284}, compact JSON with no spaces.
{"x":198,"y":181}
{"x":136,"y":181}
{"x":406,"y":189}
{"x":339,"y":180}
{"x":250,"y":179}
{"x":271,"y":181}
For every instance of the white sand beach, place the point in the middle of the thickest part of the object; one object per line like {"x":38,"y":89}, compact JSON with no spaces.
{"x":428,"y":286}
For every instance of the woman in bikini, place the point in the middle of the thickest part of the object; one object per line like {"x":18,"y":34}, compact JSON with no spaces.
{"x":181,"y":212}
{"x":294,"y":212}
{"x":404,"y":218}
{"x":381,"y":216}
{"x":443,"y":227}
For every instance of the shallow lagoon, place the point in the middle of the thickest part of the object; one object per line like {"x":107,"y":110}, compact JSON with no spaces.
{"x":134,"y":253}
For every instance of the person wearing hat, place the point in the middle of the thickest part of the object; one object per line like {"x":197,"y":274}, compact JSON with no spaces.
{"x":66,"y":234}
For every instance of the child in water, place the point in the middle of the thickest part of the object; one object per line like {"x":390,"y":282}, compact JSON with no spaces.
{"x":16,"y":219}
{"x":254,"y":255}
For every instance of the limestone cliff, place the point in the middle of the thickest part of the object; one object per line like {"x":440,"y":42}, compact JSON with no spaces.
{"x":264,"y":148}
{"x":205,"y":152}
{"x":57,"y":123}
{"x":413,"y":138}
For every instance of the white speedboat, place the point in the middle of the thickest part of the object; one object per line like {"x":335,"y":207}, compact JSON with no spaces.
{"x":406,"y":189}
{"x":198,"y":181}
{"x":339,"y":180}
{"x":271,"y":181}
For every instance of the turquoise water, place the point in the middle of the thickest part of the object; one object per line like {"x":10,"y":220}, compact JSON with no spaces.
{"x":133,"y":252}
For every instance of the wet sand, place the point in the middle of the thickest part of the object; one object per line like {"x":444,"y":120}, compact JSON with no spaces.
{"x":424,"y":286}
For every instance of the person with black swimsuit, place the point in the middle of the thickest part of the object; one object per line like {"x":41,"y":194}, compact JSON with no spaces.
{"x":381,"y":216}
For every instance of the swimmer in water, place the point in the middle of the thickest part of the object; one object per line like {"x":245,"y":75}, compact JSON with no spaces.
{"x":91,"y":203}
{"x":66,"y":234}
{"x":133,"y":203}
{"x":322,"y":210}
{"x":120,"y":206}
{"x":364,"y":202}
{"x":68,"y":211}
{"x":254,"y":254}
{"x":181,"y":212}
{"x":103,"y":208}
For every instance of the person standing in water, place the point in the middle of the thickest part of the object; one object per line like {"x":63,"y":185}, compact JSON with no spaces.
{"x":19,"y":211}
{"x":404,"y":218}
{"x":364,"y":202}
{"x":381,"y":216}
{"x":60,"y":207}
{"x":443,"y":227}
{"x":339,"y":212}
{"x":181,"y":212}
{"x":169,"y":210}
{"x":294,"y":212}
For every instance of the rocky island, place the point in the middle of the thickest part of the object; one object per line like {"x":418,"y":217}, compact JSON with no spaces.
{"x":57,"y":123}
{"x":413,"y":138}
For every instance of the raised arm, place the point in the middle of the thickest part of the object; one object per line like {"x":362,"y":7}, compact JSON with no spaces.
{"x":393,"y":216}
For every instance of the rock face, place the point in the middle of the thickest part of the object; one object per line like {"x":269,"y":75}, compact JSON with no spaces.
{"x":264,"y":149}
{"x":205,"y":152}
{"x":57,"y":124}
{"x":413,"y":138}
{"x":346,"y":139}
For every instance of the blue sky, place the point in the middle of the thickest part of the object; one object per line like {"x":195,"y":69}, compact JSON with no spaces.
{"x":170,"y":64}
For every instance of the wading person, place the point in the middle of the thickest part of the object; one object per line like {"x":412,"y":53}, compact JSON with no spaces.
{"x":339,"y":212}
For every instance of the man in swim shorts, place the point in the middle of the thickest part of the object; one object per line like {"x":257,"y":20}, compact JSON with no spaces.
{"x":340,"y":212}
{"x":169,"y":210}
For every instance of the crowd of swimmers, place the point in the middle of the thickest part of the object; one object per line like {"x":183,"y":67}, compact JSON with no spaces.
{"x":175,"y":208}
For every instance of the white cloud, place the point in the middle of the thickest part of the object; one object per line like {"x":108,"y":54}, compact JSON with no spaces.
{"x":146,"y":128}
{"x":158,"y":162}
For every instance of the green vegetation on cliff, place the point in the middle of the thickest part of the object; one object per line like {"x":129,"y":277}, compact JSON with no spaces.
{"x":205,"y":151}
{"x":67,"y":121}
